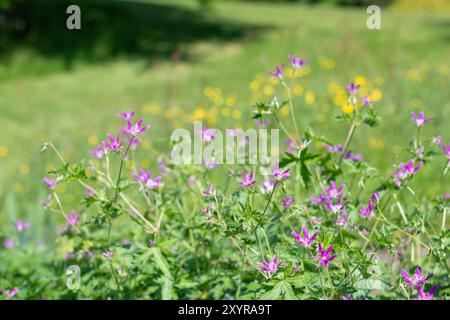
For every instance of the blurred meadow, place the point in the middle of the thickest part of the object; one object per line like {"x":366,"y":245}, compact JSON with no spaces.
{"x":174,"y":62}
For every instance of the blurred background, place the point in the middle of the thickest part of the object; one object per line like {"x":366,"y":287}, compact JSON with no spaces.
{"x":175,"y":61}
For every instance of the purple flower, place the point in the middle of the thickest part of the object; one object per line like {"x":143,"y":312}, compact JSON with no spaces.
{"x":291,"y":147}
{"x":207,"y":134}
{"x":332,"y":192}
{"x":353,"y":157}
{"x":278,"y":73}
{"x":422,"y":295}
{"x":9,"y":244}
{"x":342,"y":220}
{"x":348,"y":297}
{"x":446,"y":196}
{"x":163,"y":168}
{"x":271,"y":266}
{"x":127,"y":115}
{"x":376,"y":197}
{"x":406,"y":171}
{"x":417,"y":279}
{"x":437,"y":140}
{"x":191,"y":180}
{"x":365,"y":101}
{"x":335,"y":206}
{"x":89,"y":192}
{"x":368,"y":211}
{"x":333,"y":149}
{"x":114,"y":144}
{"x":133,"y":142}
{"x":69,"y":256}
{"x":73,"y":218}
{"x":21,"y":225}
{"x":210,"y":164}
{"x":296,"y":63}
{"x":352,"y":88}
{"x":46,"y":202}
{"x":126,"y":243}
{"x":280,"y":174}
{"x":145,"y":179}
{"x":446,"y":149}
{"x":420,"y":120}
{"x":97,"y":153}
{"x":209,"y":191}
{"x":306,"y":240}
{"x":267,"y":186}
{"x":135,"y":130}
{"x":11,"y":293}
{"x":50,"y":183}
{"x":247,"y":180}
{"x":324,"y":258}
{"x":108,"y":255}
{"x":263,"y":124}
{"x":287,"y":202}
{"x":151,"y":242}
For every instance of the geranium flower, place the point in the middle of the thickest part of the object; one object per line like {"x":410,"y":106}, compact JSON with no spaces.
{"x":306,"y":240}
{"x":127,"y":115}
{"x":50,"y":183}
{"x":97,"y":153}
{"x":145,"y":179}
{"x":209,"y":191}
{"x":21,"y":225}
{"x":11,"y":293}
{"x":135,"y":130}
{"x":108,"y":255}
{"x":113,"y":145}
{"x":446,"y":149}
{"x":296,"y":63}
{"x":420,"y":120}
{"x":247,"y":180}
{"x":417,"y":279}
{"x":406,"y":171}
{"x":422,"y":295}
{"x":9,"y":244}
{"x":267,"y":186}
{"x":278,"y":73}
{"x":73,"y":218}
{"x":368,"y":211}
{"x":280,"y":174}
{"x":271,"y":266}
{"x":325,"y":257}
{"x":287,"y":202}
{"x":353,"y":89}
{"x":333,"y":149}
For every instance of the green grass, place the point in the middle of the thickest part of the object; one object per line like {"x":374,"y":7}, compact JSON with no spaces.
{"x":41,"y":100}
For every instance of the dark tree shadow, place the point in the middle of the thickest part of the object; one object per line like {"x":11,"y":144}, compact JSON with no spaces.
{"x":111,"y":28}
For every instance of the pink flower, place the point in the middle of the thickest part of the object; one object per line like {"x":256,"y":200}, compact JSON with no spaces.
{"x":417,"y":279}
{"x":333,"y":149}
{"x":11,"y":293}
{"x":437,"y":140}
{"x":207,"y":134}
{"x":422,"y":295}
{"x":353,"y":89}
{"x":263,"y":124}
{"x":209,"y":191}
{"x":280,"y":174}
{"x":89,"y":192}
{"x":406,"y":171}
{"x":287,"y":202}
{"x":135,"y":130}
{"x":267,"y":186}
{"x":367,"y":212}
{"x":97,"y":153}
{"x":73,"y":218}
{"x":420,"y":120}
{"x":113,"y":145}
{"x":296,"y":63}
{"x":278,"y":73}
{"x":306,"y":240}
{"x":21,"y":225}
{"x":247,"y":180}
{"x":50,"y":183}
{"x":271,"y":266}
{"x":144,"y":178}
{"x":9,"y":244}
{"x":108,"y":255}
{"x":127,"y":115}
{"x":324,"y":258}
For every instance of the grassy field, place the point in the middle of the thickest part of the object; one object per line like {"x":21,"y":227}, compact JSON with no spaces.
{"x":215,"y":71}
